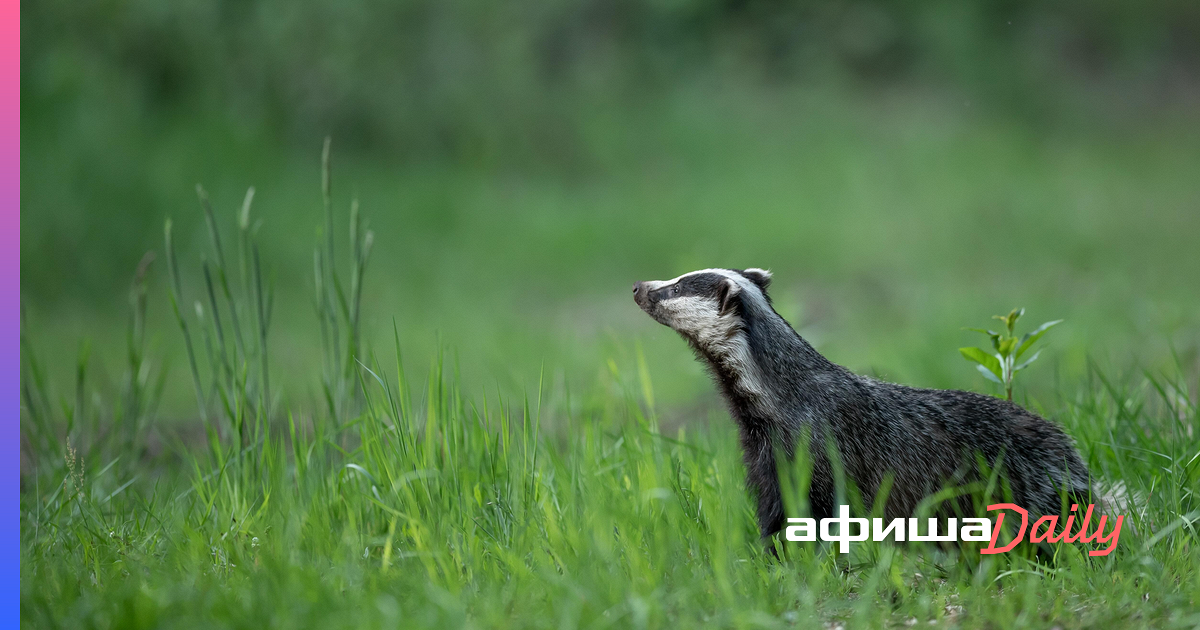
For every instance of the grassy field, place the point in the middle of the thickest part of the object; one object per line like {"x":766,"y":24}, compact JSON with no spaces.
{"x":432,"y":507}
{"x":543,"y":455}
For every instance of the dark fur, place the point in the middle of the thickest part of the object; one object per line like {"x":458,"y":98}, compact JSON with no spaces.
{"x":925,"y":438}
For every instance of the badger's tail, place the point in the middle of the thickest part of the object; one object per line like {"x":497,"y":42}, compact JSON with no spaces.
{"x":1117,"y":499}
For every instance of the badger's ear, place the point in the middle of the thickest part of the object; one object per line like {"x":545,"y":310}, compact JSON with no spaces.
{"x":728,"y":296}
{"x":760,"y":277}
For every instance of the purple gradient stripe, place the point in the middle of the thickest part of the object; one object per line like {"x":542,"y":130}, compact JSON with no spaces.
{"x":10,"y":309}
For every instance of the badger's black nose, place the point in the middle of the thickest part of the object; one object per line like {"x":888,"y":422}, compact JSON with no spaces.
{"x":640,"y":294}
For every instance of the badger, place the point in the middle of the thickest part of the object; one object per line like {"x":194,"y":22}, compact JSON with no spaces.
{"x":783,"y":395}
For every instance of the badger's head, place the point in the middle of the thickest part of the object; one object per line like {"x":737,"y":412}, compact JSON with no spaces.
{"x":708,"y":306}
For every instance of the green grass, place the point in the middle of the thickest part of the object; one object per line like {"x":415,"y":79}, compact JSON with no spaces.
{"x":388,"y":500}
{"x":434,"y":507}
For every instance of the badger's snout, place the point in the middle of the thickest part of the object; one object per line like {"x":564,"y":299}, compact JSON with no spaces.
{"x":641,"y":295}
{"x":648,"y":295}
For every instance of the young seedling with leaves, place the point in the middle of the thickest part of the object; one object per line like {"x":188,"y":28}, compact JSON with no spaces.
{"x":1001,"y":367}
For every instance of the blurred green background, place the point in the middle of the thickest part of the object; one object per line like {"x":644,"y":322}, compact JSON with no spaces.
{"x":905,"y":169}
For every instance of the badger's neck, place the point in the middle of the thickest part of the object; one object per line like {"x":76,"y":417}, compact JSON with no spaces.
{"x":768,"y":373}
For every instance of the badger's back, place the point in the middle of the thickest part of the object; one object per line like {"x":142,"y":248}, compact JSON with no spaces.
{"x":928,"y":439}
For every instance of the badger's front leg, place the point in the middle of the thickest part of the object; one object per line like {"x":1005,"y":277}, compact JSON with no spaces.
{"x":769,"y":499}
{"x":762,"y":477}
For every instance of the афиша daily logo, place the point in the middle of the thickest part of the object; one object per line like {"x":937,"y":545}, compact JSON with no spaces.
{"x":973,"y":529}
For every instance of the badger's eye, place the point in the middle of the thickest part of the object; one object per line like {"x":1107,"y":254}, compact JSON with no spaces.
{"x":675,"y":290}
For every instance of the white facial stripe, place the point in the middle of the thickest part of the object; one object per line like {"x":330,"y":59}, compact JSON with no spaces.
{"x":738,"y":279}
{"x":732,"y":275}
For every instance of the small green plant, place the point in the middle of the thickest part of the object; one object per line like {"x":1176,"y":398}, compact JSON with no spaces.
{"x":1001,"y":367}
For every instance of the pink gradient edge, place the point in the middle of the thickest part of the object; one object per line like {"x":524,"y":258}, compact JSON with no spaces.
{"x":10,"y":305}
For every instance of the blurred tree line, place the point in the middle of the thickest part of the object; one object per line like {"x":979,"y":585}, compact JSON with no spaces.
{"x":125,"y":103}
{"x":461,"y":78}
